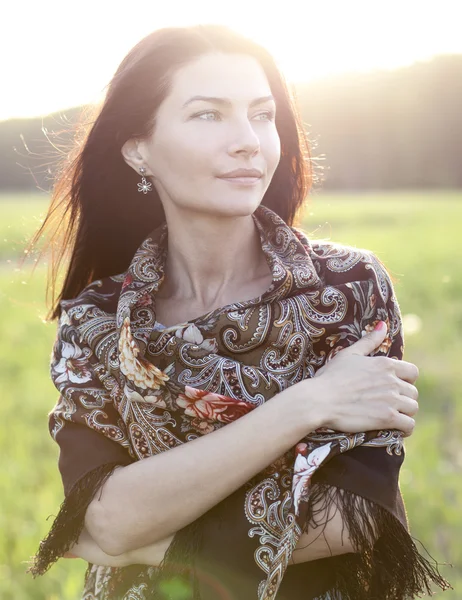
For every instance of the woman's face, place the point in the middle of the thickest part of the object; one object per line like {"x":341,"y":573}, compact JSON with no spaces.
{"x":196,"y":141}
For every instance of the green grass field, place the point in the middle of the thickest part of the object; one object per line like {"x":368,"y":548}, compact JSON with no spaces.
{"x":417,"y":235}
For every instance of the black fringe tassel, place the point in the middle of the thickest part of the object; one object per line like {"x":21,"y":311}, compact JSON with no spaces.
{"x":68,"y":524}
{"x":178,"y":564}
{"x":387,"y":564}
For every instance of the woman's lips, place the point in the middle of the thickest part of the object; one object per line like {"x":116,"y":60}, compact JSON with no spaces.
{"x":248,"y":181}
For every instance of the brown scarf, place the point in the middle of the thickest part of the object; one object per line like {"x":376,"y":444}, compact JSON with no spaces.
{"x":129,"y":390}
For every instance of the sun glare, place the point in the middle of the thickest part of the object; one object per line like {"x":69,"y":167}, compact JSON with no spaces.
{"x":64,"y":59}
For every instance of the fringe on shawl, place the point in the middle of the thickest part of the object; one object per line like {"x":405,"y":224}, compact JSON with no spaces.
{"x":178,"y":564}
{"x":176,"y":567}
{"x":386,"y":564}
{"x":69,"y":522}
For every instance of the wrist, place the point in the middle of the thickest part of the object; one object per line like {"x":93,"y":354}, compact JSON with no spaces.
{"x":315,"y":401}
{"x":305,"y":398}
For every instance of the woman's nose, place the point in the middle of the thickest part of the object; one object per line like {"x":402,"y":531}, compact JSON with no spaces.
{"x":245,"y":140}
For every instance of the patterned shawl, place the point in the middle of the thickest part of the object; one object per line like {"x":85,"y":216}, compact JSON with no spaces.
{"x":130,"y":389}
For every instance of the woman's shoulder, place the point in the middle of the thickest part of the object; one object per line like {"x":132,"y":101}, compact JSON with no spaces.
{"x":339,"y":263}
{"x":337,"y":254}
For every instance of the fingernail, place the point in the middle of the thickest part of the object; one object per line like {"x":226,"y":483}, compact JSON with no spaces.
{"x":379,"y":325}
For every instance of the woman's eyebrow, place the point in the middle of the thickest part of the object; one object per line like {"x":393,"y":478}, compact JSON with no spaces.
{"x":226,"y":101}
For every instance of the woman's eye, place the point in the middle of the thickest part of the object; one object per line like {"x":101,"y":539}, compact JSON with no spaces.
{"x":269,"y":114}
{"x":205,"y":114}
{"x":212,"y":115}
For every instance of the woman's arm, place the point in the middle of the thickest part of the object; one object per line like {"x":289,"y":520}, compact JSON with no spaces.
{"x":87,"y":549}
{"x":329,"y":541}
{"x":144,"y":502}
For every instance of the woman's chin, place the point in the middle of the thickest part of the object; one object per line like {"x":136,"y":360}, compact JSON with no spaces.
{"x":239,"y":206}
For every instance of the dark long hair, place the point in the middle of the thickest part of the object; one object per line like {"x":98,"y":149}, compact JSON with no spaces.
{"x":101,"y":218}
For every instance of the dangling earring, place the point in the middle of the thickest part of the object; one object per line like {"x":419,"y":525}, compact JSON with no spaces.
{"x":144,"y":186}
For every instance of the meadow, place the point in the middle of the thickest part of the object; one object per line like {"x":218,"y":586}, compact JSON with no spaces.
{"x":417,"y":236}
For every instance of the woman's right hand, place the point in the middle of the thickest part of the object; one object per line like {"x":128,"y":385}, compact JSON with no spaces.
{"x":355,"y":392}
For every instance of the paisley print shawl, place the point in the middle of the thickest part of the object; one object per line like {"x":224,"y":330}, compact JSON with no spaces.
{"x":130,"y":388}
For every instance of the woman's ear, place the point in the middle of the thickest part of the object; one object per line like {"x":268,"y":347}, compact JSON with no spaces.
{"x":132,"y":155}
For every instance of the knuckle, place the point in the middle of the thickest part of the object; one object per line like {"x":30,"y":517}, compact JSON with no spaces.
{"x":382,"y":363}
{"x":392,"y":414}
{"x":388,"y":364}
{"x":389,"y":416}
{"x":394,"y":386}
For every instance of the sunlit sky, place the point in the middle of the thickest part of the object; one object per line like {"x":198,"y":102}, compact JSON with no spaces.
{"x":58,"y":54}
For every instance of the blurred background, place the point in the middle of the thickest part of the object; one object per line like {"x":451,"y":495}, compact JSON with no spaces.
{"x":380,"y":89}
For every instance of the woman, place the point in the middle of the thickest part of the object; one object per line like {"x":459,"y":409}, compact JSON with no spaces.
{"x":201,"y":331}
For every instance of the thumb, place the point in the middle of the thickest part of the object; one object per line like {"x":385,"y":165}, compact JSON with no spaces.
{"x":370,"y":341}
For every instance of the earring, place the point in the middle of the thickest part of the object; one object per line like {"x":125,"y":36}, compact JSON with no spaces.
{"x":144,"y":186}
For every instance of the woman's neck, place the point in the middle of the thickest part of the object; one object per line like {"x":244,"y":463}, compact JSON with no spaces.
{"x":208,"y":259}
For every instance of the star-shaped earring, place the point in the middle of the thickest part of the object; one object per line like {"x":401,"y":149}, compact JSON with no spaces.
{"x":144,"y":186}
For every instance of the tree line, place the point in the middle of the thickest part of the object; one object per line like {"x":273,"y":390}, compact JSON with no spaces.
{"x":392,"y":129}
